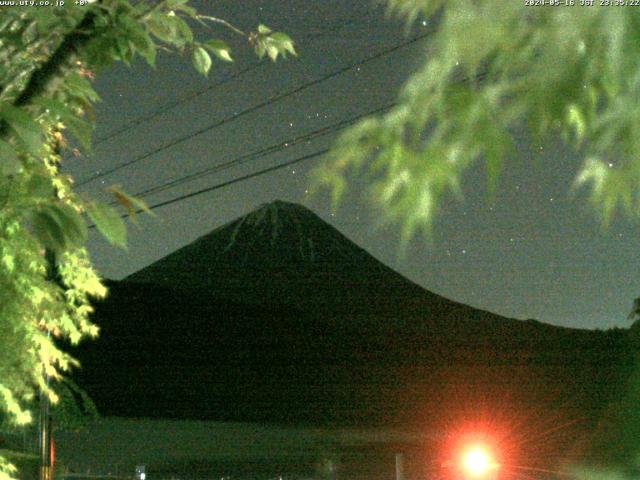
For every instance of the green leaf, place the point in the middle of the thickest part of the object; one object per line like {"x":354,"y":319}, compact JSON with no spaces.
{"x":281,"y":37}
{"x":132,"y":204}
{"x":272,"y":43}
{"x":272,"y":52}
{"x":182,"y":29}
{"x":170,"y":28}
{"x":576,"y":120}
{"x":161,"y":26}
{"x":201,"y":60}
{"x":147,"y":50}
{"x":284,"y":42}
{"x":48,"y":231}
{"x":176,"y":3}
{"x":59,"y":227}
{"x":261,"y":48}
{"x":337,"y":192}
{"x":24,"y":126}
{"x":263,"y":29}
{"x":30,"y":34}
{"x":9,"y":163}
{"x":100,"y":53}
{"x":79,"y":128}
{"x":78,"y":85}
{"x":220,"y":49}
{"x":109,"y":223}
{"x":122,"y":49}
{"x":73,"y":226}
{"x":192,"y":12}
{"x":141,"y":41}
{"x":39,"y":187}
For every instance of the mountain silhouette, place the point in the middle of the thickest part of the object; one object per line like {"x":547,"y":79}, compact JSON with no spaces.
{"x":277,"y":317}
{"x":282,"y":253}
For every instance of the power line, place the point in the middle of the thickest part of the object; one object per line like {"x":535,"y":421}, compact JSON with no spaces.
{"x":263,"y":104}
{"x":262,"y":152}
{"x":258,"y":173}
{"x":229,"y":182}
{"x":171,"y":105}
{"x":254,"y":155}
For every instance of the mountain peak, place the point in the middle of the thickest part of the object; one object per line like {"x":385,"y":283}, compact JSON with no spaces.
{"x":281,"y":252}
{"x":280,"y":206}
{"x":277,"y":221}
{"x":284,"y":205}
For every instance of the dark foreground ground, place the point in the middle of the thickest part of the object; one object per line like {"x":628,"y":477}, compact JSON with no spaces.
{"x":241,"y":451}
{"x":210,"y":450}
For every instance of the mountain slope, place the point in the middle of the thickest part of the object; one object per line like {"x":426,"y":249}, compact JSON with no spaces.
{"x":164,"y":354}
{"x":283,"y":253}
{"x":277,"y":317}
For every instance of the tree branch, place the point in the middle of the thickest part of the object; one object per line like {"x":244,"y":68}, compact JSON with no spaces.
{"x":42,"y":77}
{"x":222,"y":22}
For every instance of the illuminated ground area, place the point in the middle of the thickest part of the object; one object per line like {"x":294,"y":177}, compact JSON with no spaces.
{"x":212,"y":450}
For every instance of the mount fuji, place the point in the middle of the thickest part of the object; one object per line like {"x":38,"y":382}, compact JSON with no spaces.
{"x":278,"y":317}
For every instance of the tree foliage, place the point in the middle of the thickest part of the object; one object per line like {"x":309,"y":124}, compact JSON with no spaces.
{"x":49,"y":57}
{"x":491,"y":66}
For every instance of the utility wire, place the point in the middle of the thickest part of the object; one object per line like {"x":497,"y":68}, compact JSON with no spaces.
{"x":257,"y":173}
{"x":263,"y":104}
{"x":326,"y":130}
{"x":175,"y":103}
{"x":171,"y":105}
{"x":258,"y":154}
{"x":263,"y":171}
{"x":228,"y":182}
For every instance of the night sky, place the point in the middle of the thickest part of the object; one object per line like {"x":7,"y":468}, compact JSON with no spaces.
{"x":537,"y":252}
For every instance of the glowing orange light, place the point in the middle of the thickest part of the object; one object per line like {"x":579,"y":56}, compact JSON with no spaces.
{"x":477,"y":462}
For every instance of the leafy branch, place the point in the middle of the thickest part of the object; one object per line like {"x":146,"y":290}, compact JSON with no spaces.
{"x":50,"y":58}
